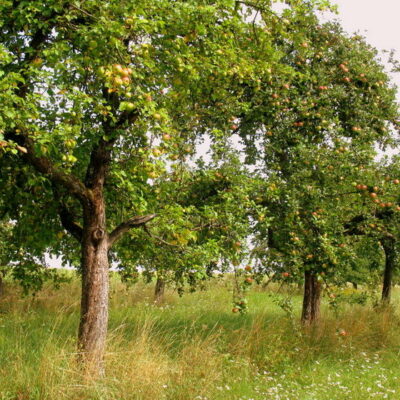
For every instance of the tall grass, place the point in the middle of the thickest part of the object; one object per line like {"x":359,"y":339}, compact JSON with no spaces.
{"x":194,"y":348}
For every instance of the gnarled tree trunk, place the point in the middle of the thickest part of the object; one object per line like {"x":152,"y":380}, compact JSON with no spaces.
{"x":312,"y":299}
{"x":159,"y":290}
{"x":388,"y":245}
{"x":95,"y":287}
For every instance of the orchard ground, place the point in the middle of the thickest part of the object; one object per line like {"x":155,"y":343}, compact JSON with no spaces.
{"x":194,"y":347}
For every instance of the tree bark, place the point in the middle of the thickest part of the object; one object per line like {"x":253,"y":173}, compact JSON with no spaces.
{"x":95,"y":287}
{"x":159,"y":290}
{"x":1,"y":284}
{"x":388,"y":245}
{"x":311,"y":300}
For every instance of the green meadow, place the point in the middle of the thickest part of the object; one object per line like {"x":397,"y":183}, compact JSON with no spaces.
{"x":194,"y":347}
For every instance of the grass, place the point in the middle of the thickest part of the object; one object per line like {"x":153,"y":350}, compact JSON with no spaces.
{"x":194,"y":347}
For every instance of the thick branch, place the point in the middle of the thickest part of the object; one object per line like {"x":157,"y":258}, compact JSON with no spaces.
{"x":352,"y":227}
{"x":67,"y":218}
{"x":46,"y":167}
{"x":134,"y":222}
{"x":68,"y":222}
{"x":100,"y":157}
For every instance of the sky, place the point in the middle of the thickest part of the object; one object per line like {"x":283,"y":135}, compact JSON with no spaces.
{"x":378,"y":19}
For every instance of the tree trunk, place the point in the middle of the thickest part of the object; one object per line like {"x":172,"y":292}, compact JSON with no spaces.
{"x":159,"y":291}
{"x":312,"y":299}
{"x":95,"y":284}
{"x":355,"y":285}
{"x":388,"y":245}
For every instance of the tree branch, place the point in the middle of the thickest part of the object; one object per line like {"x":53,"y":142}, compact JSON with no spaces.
{"x":68,"y":222}
{"x":351,"y":227}
{"x":46,"y":167}
{"x":67,"y":218}
{"x":100,"y":157}
{"x":133,"y":222}
{"x":161,"y":240}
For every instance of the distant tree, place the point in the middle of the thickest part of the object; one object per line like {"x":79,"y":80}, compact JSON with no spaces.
{"x":310,"y":138}
{"x":202,"y":229}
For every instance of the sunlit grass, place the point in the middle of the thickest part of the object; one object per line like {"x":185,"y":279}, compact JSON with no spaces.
{"x":194,"y":347}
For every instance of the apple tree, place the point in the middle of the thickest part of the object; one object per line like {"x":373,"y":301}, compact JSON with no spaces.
{"x":201,"y":230}
{"x":377,"y":215}
{"x":309,"y":136}
{"x":97,"y":100}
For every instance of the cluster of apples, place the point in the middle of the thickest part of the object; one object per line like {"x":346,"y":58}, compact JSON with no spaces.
{"x":117,"y":76}
{"x":372,"y":192}
{"x":240,"y":306}
{"x":345,"y":69}
{"x":248,"y":280}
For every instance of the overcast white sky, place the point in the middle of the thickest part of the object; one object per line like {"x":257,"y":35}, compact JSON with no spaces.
{"x":379,"y":18}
